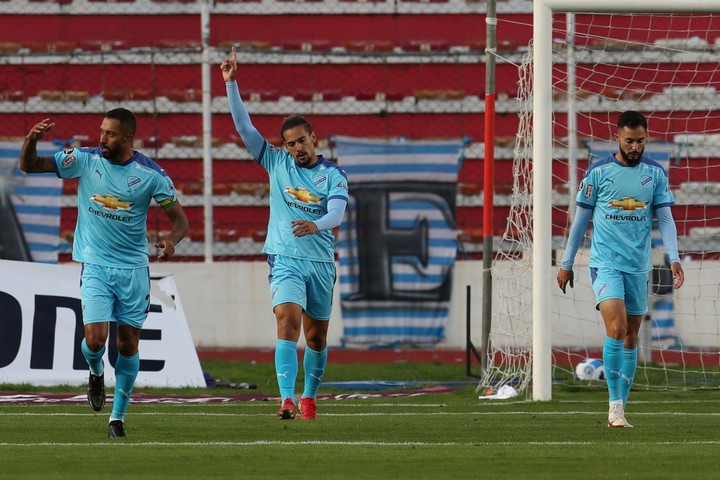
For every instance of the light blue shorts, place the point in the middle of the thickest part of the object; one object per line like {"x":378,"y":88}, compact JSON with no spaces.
{"x":632,"y":288}
{"x":305,"y":282}
{"x":112,"y":294}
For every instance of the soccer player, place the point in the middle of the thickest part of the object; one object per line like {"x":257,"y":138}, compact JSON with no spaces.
{"x":308,"y":196}
{"x":115,"y":189}
{"x":621,"y":194}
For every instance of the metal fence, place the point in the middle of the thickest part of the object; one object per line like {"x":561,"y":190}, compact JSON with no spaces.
{"x":374,"y":69}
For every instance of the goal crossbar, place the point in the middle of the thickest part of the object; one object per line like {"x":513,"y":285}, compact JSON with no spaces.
{"x":543,"y":11}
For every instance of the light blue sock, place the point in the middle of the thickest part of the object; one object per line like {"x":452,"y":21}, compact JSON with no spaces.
{"x":314,"y":366}
{"x":627,"y":374}
{"x":94,"y":359}
{"x":126,"y":371}
{"x":286,"y":367}
{"x":613,"y":360}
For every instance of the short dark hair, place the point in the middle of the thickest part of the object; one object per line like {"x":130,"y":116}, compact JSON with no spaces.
{"x":292,"y":121}
{"x":128,"y":124}
{"x":631,"y":119}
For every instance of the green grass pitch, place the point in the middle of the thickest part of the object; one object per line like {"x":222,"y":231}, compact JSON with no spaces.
{"x":433,"y":436}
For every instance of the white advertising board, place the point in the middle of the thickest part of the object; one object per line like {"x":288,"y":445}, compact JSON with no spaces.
{"x":41,"y":329}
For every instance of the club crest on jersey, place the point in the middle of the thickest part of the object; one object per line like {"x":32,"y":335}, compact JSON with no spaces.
{"x":628,"y":204}
{"x":68,"y":150}
{"x":303,"y":195}
{"x":645,"y":180}
{"x":133,"y":182}
{"x":67,"y":161}
{"x":319,"y":181}
{"x":111,"y":202}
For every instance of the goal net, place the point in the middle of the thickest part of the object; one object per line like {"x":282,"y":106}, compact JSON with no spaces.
{"x":666,"y":66}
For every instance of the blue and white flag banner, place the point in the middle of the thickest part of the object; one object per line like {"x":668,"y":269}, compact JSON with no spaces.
{"x":29,"y":207}
{"x":398,"y":243}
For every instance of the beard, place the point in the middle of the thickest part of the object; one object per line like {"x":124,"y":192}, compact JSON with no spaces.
{"x":110,"y":153}
{"x":633,"y":158}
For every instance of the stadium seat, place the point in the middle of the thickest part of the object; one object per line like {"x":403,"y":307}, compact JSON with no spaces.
{"x":10,"y":47}
{"x":103,"y":45}
{"x":425,"y":45}
{"x":13,"y":95}
{"x":470,"y":189}
{"x":262,"y":96}
{"x":245,"y":45}
{"x":307,"y":45}
{"x":186,"y":141}
{"x":184,"y":94}
{"x":51,"y":95}
{"x":190,"y":188}
{"x":50,"y":47}
{"x":76,"y":95}
{"x":368,"y":45}
{"x":222,"y":188}
{"x":178,"y":44}
{"x":317,"y":96}
{"x":255,"y":189}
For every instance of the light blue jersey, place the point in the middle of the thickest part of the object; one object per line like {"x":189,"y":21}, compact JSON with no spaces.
{"x":113,"y":202}
{"x":623,"y":200}
{"x":300,"y":193}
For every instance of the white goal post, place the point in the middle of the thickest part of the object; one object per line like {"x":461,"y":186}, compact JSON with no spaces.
{"x":542,"y":156}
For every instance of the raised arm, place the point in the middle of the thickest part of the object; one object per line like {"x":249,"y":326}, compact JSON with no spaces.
{"x":29,"y":160}
{"x":249,"y":134}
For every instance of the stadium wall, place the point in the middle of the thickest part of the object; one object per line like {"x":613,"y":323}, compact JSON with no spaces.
{"x":227,"y":305}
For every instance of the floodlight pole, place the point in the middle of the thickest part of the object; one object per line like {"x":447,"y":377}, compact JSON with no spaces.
{"x":207,"y":129}
{"x":489,"y":182}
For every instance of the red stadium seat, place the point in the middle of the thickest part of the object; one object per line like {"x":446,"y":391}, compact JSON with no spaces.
{"x":13,"y":95}
{"x":184,"y":94}
{"x":262,"y":96}
{"x":178,"y":44}
{"x":76,"y":95}
{"x":307,"y":45}
{"x":103,"y":45}
{"x":368,"y":45}
{"x":10,"y":47}
{"x":425,"y":45}
{"x":50,"y":47}
{"x":245,"y":44}
{"x":317,"y":96}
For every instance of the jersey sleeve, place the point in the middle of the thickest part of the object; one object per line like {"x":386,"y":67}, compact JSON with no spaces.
{"x":70,"y":163}
{"x":165,"y":193}
{"x":587,"y":194}
{"x":339,"y":185}
{"x":662,"y":196}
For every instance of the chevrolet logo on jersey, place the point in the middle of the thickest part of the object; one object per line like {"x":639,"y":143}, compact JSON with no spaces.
{"x":303,"y":195}
{"x":111,"y":202}
{"x":628,"y":204}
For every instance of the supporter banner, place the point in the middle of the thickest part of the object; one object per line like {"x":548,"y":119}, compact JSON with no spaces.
{"x":398,"y":243}
{"x":41,"y":325}
{"x":29,"y":208}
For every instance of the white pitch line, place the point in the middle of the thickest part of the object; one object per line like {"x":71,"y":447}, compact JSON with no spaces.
{"x":366,"y":414}
{"x":123,"y":444}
